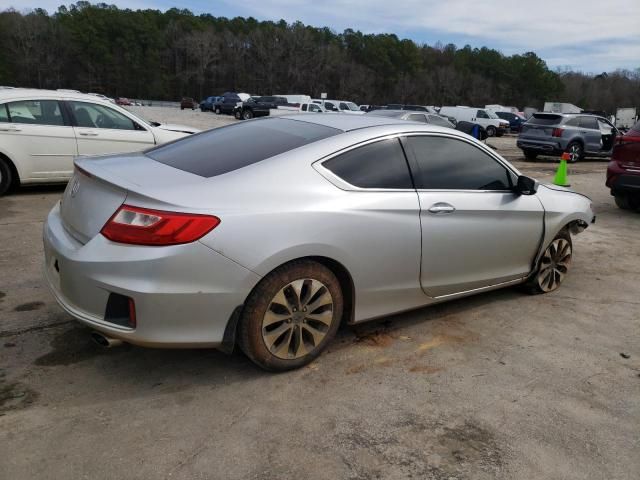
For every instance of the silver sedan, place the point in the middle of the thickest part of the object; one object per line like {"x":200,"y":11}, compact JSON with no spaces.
{"x":270,"y":233}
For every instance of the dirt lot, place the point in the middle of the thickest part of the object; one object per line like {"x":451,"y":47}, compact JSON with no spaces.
{"x":501,"y":385}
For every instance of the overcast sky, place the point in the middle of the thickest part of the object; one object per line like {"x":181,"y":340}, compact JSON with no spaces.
{"x":587,"y":35}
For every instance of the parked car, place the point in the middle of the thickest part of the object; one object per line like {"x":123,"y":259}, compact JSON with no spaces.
{"x":258,"y":107}
{"x":384,"y":216}
{"x":414,"y":116}
{"x":341,"y":106}
{"x":188,"y":102}
{"x":122,"y":101}
{"x":578,"y":134}
{"x":206,"y":105}
{"x":41,"y":131}
{"x":623,"y":172}
{"x":227,"y":102}
{"x":494,"y":125}
{"x":312,"y":107}
{"x":515,"y":120}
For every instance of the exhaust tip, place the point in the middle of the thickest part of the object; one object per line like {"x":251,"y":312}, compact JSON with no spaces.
{"x":104,"y":341}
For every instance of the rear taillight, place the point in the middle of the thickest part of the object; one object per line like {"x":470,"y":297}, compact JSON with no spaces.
{"x":627,"y":139}
{"x":143,"y":226}
{"x":557,"y":132}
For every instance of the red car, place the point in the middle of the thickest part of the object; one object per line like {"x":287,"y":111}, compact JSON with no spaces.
{"x":123,"y":101}
{"x":623,"y":173}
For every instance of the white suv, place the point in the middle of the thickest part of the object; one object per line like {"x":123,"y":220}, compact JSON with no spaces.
{"x":41,"y":131}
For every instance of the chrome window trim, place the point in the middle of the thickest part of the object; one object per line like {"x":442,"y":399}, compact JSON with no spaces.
{"x":344,"y":185}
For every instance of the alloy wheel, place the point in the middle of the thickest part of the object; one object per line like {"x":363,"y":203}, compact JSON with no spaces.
{"x":554,"y":265}
{"x":574,"y":153}
{"x":298,"y":318}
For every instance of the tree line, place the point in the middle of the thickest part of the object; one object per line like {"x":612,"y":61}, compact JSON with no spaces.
{"x":149,"y":54}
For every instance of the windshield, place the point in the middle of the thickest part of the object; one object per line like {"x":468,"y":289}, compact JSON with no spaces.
{"x":352,"y":106}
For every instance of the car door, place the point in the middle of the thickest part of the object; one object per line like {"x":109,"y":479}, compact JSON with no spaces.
{"x":100,"y":130}
{"x":38,"y":137}
{"x":476,"y":231}
{"x":590,"y":132}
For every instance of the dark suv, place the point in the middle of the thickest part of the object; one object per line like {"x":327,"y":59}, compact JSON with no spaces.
{"x":623,"y":173}
{"x":578,"y":134}
{"x":226,"y":103}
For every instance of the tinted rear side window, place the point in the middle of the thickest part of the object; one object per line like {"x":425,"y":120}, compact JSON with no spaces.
{"x":446,"y":163}
{"x":542,"y":119}
{"x":377,"y":165}
{"x":223,"y":150}
{"x":589,"y":122}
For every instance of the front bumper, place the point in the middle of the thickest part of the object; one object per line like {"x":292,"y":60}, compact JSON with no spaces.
{"x":184,"y":294}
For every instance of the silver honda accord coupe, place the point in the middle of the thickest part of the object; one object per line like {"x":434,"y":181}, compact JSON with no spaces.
{"x":269,"y":234}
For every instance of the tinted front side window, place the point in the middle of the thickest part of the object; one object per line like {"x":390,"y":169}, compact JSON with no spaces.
{"x":446,"y":163}
{"x":37,"y":112}
{"x":482,"y":114}
{"x":441,"y":122}
{"x":377,"y":165}
{"x":225,"y":149}
{"x":572,"y":122}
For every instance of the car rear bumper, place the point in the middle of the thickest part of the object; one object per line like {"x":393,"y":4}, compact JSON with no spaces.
{"x":184,"y":294}
{"x":542,"y":146}
{"x":621,"y":179}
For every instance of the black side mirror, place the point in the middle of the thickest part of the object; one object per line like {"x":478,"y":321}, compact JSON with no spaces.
{"x":526,"y":185}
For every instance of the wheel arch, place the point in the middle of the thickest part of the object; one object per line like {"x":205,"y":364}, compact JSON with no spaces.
{"x":14,"y":170}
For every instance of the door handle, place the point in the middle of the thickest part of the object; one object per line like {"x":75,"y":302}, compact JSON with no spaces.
{"x":441,"y":208}
{"x":88,"y":133}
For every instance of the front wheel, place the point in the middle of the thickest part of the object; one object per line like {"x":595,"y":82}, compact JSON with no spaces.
{"x":575,"y":151}
{"x":291,"y":316}
{"x":247,"y":115}
{"x":491,"y":131}
{"x":218,"y":111}
{"x":553,"y":266}
{"x":238,"y":115}
{"x":627,"y":201}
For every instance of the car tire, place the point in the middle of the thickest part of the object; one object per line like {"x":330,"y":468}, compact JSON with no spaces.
{"x":622,"y":201}
{"x":575,"y":151}
{"x":238,"y":115}
{"x":530,"y":154}
{"x":6,"y":177}
{"x":247,"y":114}
{"x":553,"y":265}
{"x":218,"y":111}
{"x":276,"y":331}
{"x":491,"y":131}
{"x":181,"y":108}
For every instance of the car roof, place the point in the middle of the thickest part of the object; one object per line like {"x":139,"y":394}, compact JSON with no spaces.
{"x":346,"y":122}
{"x":35,"y":93}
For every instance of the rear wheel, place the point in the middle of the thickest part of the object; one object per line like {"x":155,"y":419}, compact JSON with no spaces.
{"x":491,"y":131}
{"x":6,"y":177}
{"x":553,"y":266}
{"x":530,"y":154}
{"x":575,"y":151}
{"x":627,"y":201}
{"x":291,"y":315}
{"x":247,"y":115}
{"x":238,"y":115}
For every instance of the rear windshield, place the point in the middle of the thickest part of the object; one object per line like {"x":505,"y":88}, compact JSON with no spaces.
{"x":225,"y":149}
{"x":544,"y":119}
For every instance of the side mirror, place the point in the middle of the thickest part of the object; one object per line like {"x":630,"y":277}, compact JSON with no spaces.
{"x":526,"y":185}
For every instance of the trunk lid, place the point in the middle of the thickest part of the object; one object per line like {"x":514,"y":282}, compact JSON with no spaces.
{"x":101,"y":184}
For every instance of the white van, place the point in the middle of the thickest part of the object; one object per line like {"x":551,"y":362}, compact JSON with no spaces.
{"x":494,"y":125}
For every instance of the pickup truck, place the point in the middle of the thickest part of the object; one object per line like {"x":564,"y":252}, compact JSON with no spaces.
{"x":257,"y":107}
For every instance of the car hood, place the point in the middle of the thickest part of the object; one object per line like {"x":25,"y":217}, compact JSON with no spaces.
{"x":177,"y":128}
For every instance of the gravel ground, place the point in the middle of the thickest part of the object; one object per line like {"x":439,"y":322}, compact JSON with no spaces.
{"x":498,"y":386}
{"x":192,"y":118}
